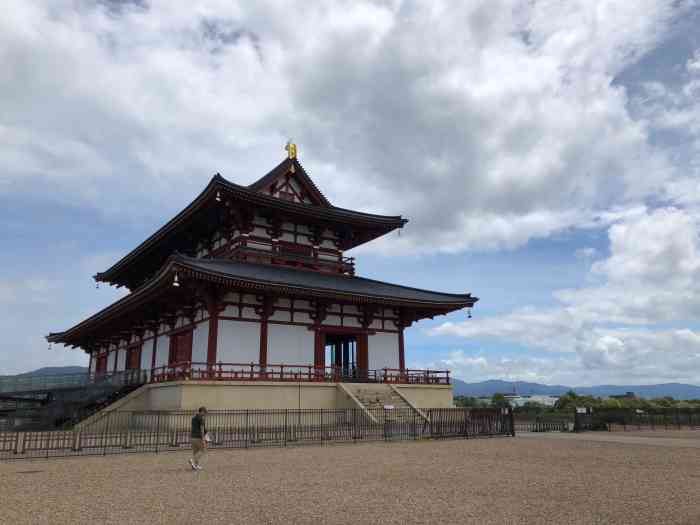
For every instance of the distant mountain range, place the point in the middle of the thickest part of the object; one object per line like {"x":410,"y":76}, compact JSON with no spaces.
{"x":494,"y":386}
{"x":52,"y":371}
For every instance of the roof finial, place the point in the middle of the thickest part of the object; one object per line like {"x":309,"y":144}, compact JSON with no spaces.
{"x":291,"y":149}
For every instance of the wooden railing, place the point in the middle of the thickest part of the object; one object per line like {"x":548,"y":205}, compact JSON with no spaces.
{"x":193,"y":371}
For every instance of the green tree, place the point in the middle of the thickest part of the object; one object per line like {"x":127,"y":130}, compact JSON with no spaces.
{"x":468,"y":401}
{"x":499,"y":401}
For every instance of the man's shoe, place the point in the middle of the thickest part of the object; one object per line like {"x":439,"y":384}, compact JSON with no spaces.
{"x":194,"y":467}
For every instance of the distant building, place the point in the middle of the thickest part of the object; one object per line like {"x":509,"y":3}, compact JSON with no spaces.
{"x":516,"y":400}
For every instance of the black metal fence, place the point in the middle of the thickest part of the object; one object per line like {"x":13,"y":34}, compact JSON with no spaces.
{"x":131,"y":432}
{"x":529,"y":421}
{"x":610,"y":419}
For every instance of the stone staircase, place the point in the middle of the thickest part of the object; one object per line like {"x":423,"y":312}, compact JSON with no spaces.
{"x":376,"y":397}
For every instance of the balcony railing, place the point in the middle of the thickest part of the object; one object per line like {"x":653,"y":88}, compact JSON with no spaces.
{"x":287,"y":254}
{"x":223,"y":372}
{"x":295,"y":373}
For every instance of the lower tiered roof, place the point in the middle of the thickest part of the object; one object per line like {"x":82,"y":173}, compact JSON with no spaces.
{"x":258,"y":278}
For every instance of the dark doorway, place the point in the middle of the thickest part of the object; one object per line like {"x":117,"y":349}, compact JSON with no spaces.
{"x":347,"y":354}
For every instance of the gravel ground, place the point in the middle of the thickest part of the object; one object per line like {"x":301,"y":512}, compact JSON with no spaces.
{"x":673,"y":434}
{"x":525,"y":480}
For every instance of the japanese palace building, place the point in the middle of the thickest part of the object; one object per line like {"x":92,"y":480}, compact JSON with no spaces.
{"x":245,"y":299}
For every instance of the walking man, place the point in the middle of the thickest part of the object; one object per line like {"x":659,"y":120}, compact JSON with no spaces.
{"x":199,"y":432}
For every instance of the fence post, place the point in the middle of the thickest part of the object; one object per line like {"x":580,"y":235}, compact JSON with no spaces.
{"x":354,"y":424}
{"x":511,"y":418}
{"x":157,"y":430}
{"x":19,"y":443}
{"x":105,"y":436}
{"x":286,"y":412}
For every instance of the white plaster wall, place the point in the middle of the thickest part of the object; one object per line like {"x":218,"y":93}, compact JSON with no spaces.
{"x":146,"y":354}
{"x":162,"y":350}
{"x":332,"y":320}
{"x":121,"y":360}
{"x":238,"y":342}
{"x":110,"y":361}
{"x":230,"y":311}
{"x":351,"y":321}
{"x":232,"y":297}
{"x":383,"y":351}
{"x":302,"y":317}
{"x":200,"y":340}
{"x":293,"y":345}
{"x":281,"y":315}
{"x":249,"y":312}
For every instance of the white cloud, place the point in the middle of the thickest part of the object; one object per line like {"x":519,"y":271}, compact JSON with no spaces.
{"x":650,"y":277}
{"x":487,"y":123}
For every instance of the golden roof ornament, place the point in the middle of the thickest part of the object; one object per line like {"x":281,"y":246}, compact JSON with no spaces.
{"x":291,"y":149}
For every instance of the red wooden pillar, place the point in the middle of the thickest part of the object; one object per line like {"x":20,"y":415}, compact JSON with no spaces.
{"x":362,"y":354}
{"x":263,"y":341}
{"x":213,"y":333}
{"x":265,"y":310}
{"x":402,"y":359}
{"x":154,"y":349}
{"x":319,"y":349}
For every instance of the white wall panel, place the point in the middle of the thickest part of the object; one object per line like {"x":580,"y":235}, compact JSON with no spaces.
{"x":162,"y":350}
{"x":281,"y":315}
{"x":332,"y":320}
{"x":351,"y":321}
{"x":110,"y":361}
{"x":200,"y":341}
{"x":302,"y":317}
{"x":121,"y":360}
{"x":291,"y":345}
{"x":383,"y":351}
{"x":238,"y":342}
{"x":230,"y":311}
{"x":146,"y":354}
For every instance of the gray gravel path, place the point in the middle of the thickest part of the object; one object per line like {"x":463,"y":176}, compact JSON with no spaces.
{"x":669,"y":438}
{"x":488,"y":481}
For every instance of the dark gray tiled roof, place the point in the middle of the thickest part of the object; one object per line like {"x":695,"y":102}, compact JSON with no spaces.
{"x":268,"y":274}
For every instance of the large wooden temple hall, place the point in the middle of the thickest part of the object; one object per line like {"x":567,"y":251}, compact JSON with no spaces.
{"x":246,"y":299}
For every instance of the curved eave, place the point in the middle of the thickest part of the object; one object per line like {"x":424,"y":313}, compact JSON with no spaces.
{"x":135,"y":298}
{"x":176,"y":263}
{"x":382,"y":224}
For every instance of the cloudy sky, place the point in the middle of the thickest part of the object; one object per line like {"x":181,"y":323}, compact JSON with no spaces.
{"x":547,"y":154}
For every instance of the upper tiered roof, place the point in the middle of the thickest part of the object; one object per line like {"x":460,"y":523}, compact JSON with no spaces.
{"x":218,"y":203}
